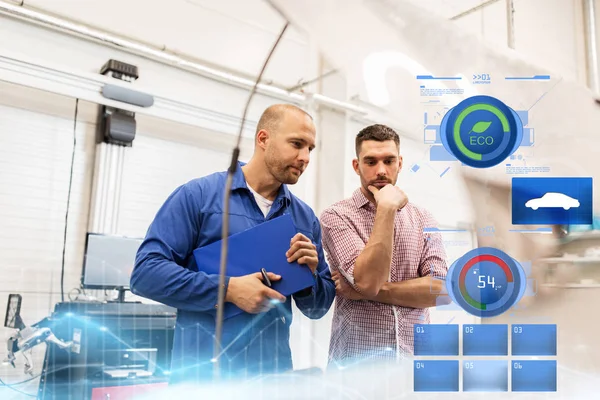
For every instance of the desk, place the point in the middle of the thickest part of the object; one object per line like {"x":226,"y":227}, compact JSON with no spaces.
{"x":112,"y":343}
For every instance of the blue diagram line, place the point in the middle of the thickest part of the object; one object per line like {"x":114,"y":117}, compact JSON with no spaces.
{"x":538,"y":230}
{"x":544,"y":94}
{"x":528,"y":78}
{"x":443,"y":173}
{"x":434,"y":229}
{"x":439,"y":78}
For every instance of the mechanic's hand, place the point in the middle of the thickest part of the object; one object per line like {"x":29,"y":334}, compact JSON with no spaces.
{"x":343,"y":288}
{"x":389,"y":196}
{"x":250,"y":293}
{"x":303,"y":251}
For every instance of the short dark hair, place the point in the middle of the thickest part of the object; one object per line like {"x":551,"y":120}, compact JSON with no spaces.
{"x":377,"y":132}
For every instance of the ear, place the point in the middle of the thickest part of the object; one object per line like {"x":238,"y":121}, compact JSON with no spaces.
{"x":400,"y":161}
{"x":355,"y":165}
{"x":262,"y":137}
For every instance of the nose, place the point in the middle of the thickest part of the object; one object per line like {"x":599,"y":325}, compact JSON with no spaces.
{"x":304,"y":155}
{"x":381,"y":170}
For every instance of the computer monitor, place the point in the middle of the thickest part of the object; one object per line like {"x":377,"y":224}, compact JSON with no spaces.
{"x":108,"y":261}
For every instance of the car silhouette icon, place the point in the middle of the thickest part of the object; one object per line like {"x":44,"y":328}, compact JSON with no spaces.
{"x":553,"y":200}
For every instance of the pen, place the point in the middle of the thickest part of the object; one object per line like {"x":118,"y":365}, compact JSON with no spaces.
{"x":266,"y":279}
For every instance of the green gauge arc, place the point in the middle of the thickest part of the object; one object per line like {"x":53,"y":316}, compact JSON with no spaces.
{"x":476,"y":107}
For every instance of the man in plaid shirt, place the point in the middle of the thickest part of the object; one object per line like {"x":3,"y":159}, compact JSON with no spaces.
{"x":381,"y":259}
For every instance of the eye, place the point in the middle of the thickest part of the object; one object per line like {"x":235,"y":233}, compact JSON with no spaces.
{"x":389,"y":162}
{"x":371,"y":163}
{"x":297,"y":144}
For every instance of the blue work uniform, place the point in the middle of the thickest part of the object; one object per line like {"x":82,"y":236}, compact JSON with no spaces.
{"x":165,"y":271}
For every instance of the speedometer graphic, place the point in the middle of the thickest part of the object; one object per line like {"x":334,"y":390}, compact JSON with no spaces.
{"x":486,"y":282}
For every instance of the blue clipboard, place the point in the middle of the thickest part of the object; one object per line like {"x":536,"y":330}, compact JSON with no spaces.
{"x":263,"y":246}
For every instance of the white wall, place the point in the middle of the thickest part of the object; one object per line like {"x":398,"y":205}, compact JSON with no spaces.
{"x":36,"y":139}
{"x":546,"y":32}
{"x":64,"y":52}
{"x":235,"y":35}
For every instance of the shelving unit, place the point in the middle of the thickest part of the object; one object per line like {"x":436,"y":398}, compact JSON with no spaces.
{"x":586,"y":269}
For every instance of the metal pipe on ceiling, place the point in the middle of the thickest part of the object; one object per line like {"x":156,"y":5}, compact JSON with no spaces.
{"x":591,"y":46}
{"x":181,"y":62}
{"x":510,"y":23}
{"x":473,"y":9}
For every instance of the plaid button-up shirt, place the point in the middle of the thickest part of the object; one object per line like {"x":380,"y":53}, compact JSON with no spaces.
{"x":364,"y":329}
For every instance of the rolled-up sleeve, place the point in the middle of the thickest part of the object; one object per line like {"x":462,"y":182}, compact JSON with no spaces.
{"x":342,"y":244}
{"x":433,"y":258}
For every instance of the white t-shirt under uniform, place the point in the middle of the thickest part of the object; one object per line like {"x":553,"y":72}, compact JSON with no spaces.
{"x":263,"y":203}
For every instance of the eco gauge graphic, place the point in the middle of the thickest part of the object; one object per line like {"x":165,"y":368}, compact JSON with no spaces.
{"x":481,"y":131}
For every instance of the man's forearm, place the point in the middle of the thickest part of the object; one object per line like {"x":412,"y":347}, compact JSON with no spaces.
{"x":416,"y":293}
{"x":372,"y":267}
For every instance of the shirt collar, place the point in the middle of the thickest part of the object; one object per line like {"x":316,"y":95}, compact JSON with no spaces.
{"x":360,"y":200}
{"x":239,"y":182}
